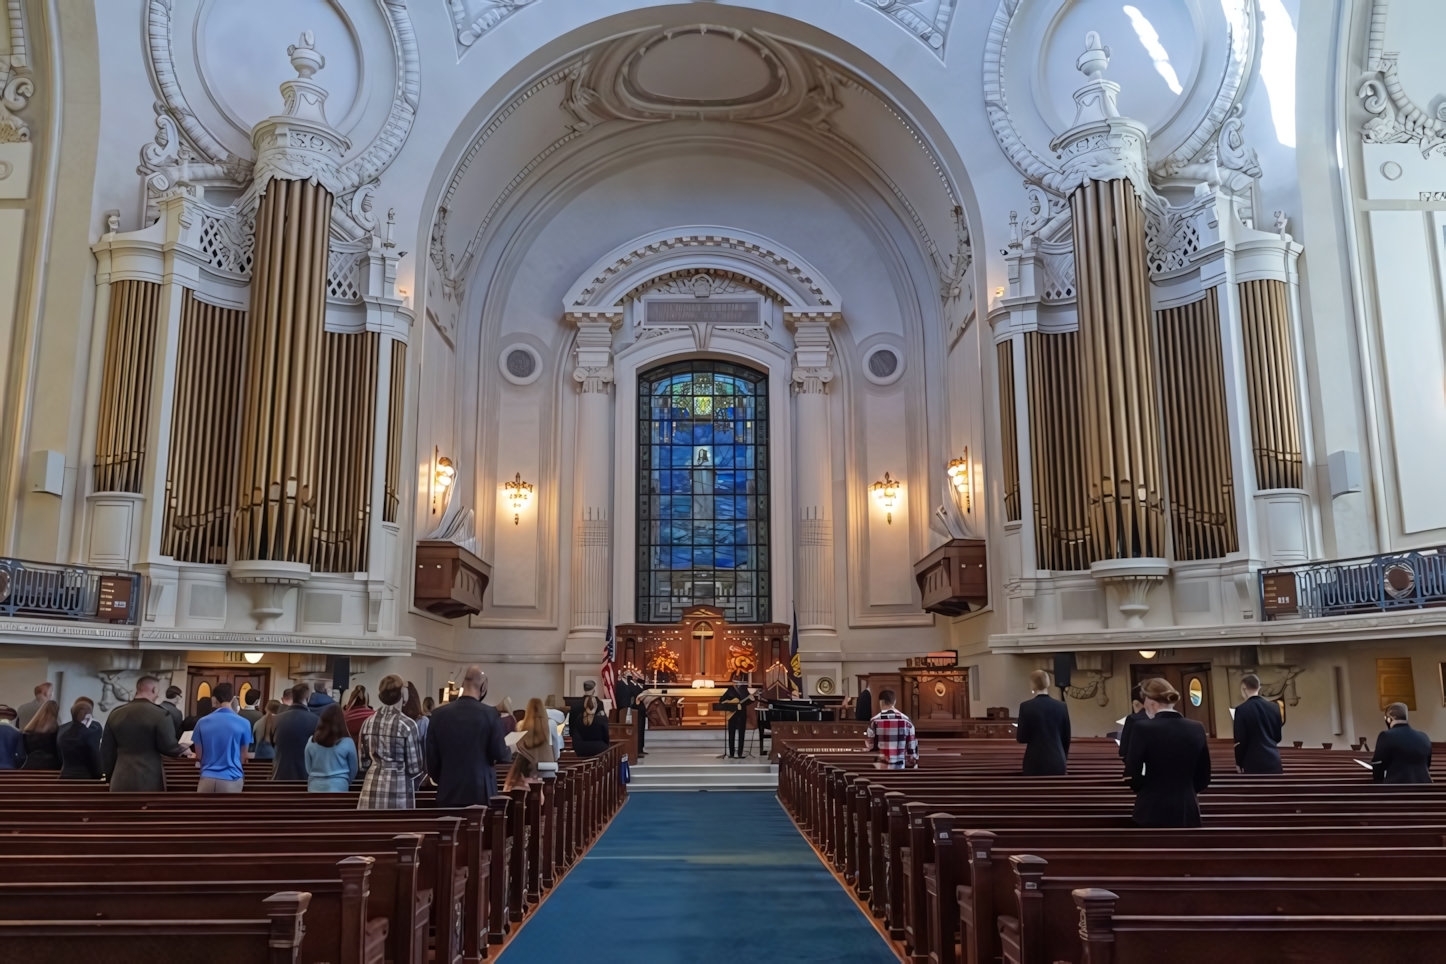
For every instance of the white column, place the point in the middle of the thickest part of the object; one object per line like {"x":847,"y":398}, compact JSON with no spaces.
{"x":813,"y":590}
{"x":592,"y":472}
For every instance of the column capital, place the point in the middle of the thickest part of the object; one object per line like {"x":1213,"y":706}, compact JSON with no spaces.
{"x":594,"y":353}
{"x":812,"y":353}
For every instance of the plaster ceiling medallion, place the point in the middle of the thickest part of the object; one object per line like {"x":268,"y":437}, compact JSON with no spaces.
{"x":217,"y":66}
{"x":926,"y":19}
{"x":1184,"y":95}
{"x":697,"y":68}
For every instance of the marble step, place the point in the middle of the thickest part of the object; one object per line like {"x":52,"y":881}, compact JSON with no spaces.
{"x":738,"y":776}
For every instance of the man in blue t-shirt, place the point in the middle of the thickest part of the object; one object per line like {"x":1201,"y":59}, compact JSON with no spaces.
{"x":220,"y":740}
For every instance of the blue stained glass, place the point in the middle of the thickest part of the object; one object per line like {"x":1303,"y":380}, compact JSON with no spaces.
{"x":704,"y":531}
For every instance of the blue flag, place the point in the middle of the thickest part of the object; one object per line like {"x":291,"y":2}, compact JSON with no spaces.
{"x":795,"y":665}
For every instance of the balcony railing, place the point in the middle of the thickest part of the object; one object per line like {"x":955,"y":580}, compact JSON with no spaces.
{"x":69,"y":592}
{"x":1368,"y":584}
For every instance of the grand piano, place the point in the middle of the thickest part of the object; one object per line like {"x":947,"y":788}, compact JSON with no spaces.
{"x":817,"y":709}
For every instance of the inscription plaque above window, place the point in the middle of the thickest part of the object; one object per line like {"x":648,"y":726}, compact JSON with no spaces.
{"x":739,"y":312}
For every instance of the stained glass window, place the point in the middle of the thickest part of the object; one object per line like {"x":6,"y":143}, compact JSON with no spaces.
{"x":703,"y":492}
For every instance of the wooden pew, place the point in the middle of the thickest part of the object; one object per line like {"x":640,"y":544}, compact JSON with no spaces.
{"x":274,"y":939}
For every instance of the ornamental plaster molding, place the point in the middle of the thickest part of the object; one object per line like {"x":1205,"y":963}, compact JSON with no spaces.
{"x":17,"y":84}
{"x":928,"y":20}
{"x":1050,"y":170}
{"x":1396,"y":117}
{"x":183,"y":139}
{"x":473,"y":19}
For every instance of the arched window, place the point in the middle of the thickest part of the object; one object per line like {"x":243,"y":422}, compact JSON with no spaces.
{"x":703,"y":491}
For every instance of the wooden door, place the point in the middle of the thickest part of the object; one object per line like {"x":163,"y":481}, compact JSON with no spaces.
{"x":1192,"y":680}
{"x":202,"y":680}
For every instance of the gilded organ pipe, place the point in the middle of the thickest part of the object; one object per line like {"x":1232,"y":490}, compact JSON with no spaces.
{"x":1121,"y":434}
{"x":346,"y":421}
{"x":1009,"y":425}
{"x":125,"y":392}
{"x":1270,"y":374}
{"x":1061,"y":523}
{"x":396,"y":406}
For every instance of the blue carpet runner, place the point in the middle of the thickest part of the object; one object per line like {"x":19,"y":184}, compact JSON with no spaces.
{"x":699,"y":877}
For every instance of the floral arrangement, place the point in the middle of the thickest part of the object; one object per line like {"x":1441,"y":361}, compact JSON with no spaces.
{"x":741,"y":659}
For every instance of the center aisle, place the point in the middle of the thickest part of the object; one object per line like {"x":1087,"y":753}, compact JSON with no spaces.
{"x":705,"y":877}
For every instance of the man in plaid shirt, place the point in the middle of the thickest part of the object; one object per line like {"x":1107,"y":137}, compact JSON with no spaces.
{"x":891,"y":733}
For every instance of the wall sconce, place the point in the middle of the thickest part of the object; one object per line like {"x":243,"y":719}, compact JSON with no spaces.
{"x":958,"y":470}
{"x":886,"y":493}
{"x":518,"y":492}
{"x":253,"y":658}
{"x":446,"y":473}
{"x":1147,"y":653}
{"x":443,"y":477}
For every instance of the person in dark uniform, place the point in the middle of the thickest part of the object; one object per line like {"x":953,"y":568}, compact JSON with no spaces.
{"x":1403,"y":755}
{"x":1044,"y":730}
{"x":1168,"y":762}
{"x":627,"y":690}
{"x":1257,"y":730}
{"x":1136,"y":714}
{"x":738,"y":719}
{"x":864,"y":705}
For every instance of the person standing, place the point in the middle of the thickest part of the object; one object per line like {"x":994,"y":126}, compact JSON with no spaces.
{"x":250,"y":712}
{"x":12,"y":741}
{"x":358,"y":711}
{"x":389,"y":741}
{"x":172,"y":705}
{"x":136,"y":736}
{"x":79,"y":743}
{"x":1168,"y":763}
{"x":294,"y":726}
{"x":263,"y":733}
{"x":320,"y":698}
{"x":1044,"y":730}
{"x":412,"y":707}
{"x":204,"y":706}
{"x":331,"y":760}
{"x":590,"y":735}
{"x":41,"y":749}
{"x":1257,"y":730}
{"x":737,"y":720}
{"x":26,"y":711}
{"x":864,"y":705}
{"x":1136,"y":714}
{"x":534,"y":749}
{"x":1403,"y":755}
{"x":892,"y":734}
{"x":220,"y":740}
{"x":465,"y":744}
{"x":627,"y":690}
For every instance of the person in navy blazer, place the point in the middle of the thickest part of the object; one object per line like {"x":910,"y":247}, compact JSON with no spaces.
{"x":1403,"y":755}
{"x":1257,"y":730}
{"x":1044,"y":730}
{"x":1168,"y":763}
{"x":1136,"y":714}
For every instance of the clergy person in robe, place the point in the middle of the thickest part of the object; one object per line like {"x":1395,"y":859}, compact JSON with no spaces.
{"x":1257,"y":730}
{"x":1403,"y":755}
{"x":1044,"y":730}
{"x":1168,"y":763}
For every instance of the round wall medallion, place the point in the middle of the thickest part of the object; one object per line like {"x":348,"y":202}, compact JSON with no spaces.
{"x":824,"y":686}
{"x":520,"y":364}
{"x":940,"y":689}
{"x":883,"y":365}
{"x":1391,"y":170}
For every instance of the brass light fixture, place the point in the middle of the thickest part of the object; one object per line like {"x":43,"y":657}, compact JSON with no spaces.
{"x":519,"y":493}
{"x":886,"y":493}
{"x":958,"y":470}
{"x":253,"y":658}
{"x":443,"y":478}
{"x":446,"y":473}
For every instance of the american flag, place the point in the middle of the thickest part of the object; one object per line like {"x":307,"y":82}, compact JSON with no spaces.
{"x":610,"y":652}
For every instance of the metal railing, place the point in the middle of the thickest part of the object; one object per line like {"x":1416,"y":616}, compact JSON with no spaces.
{"x":1367,"y":584}
{"x":69,"y":592}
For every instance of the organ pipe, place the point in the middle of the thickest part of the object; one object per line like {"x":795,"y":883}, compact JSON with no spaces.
{"x":276,"y":494}
{"x":1117,"y":373}
{"x":1197,"y":435}
{"x":1009,"y":430}
{"x":1270,"y":373}
{"x":125,"y":393}
{"x":396,"y":404}
{"x":346,"y":422}
{"x":1061,"y":518}
{"x":200,"y":474}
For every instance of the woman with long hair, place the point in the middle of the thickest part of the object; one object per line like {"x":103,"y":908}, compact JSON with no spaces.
{"x":590,"y":736}
{"x":389,"y":741}
{"x":532,"y":750}
{"x":331,"y":761}
{"x":413,"y":710}
{"x":41,"y":750}
{"x":263,"y":732}
{"x":358,"y":711}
